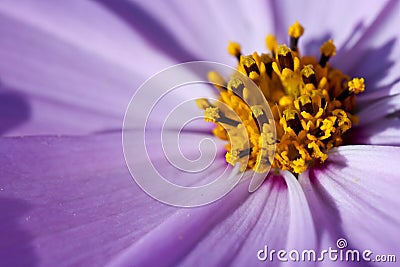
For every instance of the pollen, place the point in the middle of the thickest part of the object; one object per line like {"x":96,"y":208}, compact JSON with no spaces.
{"x":296,"y":30}
{"x":356,"y":85}
{"x":312,"y":105}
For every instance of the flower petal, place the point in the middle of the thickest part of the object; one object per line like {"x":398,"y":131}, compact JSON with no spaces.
{"x":382,"y":132}
{"x":354,"y":196}
{"x":365,"y":35}
{"x":301,"y":234}
{"x":97,"y":31}
{"x":374,"y":55}
{"x":76,"y":71}
{"x":227,"y":237}
{"x":206,"y":27}
{"x":70,"y":201}
{"x":218,"y":233}
{"x":378,"y":122}
{"x":313,"y":14}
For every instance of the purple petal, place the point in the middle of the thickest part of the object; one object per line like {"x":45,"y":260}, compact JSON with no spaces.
{"x":379,"y":122}
{"x":370,"y":96}
{"x":382,"y":132}
{"x":354,"y":15}
{"x":74,"y":70}
{"x":217,"y":234}
{"x":70,"y":201}
{"x":365,"y":35}
{"x":206,"y":27}
{"x":354,"y":196}
{"x":97,"y":31}
{"x":379,"y":109}
{"x":374,"y":55}
{"x":301,"y":234}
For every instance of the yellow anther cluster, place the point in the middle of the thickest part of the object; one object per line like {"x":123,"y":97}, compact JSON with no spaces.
{"x":328,"y":49}
{"x":296,"y":30}
{"x":211,"y":114}
{"x":356,"y":85}
{"x":311,"y":103}
{"x":234,"y":49}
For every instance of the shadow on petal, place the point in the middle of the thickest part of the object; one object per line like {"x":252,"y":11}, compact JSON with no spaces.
{"x":374,"y":63}
{"x":150,"y":28}
{"x":15,"y":246}
{"x":14,"y":110}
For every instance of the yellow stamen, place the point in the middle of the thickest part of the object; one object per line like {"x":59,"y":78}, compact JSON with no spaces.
{"x":216,"y":79}
{"x":311,"y":107}
{"x":234,"y":49}
{"x":356,"y":85}
{"x":296,"y":30}
{"x":307,"y":71}
{"x":203,"y":103}
{"x":271,"y":43}
{"x":283,"y":50}
{"x":211,"y":114}
{"x":328,"y":49}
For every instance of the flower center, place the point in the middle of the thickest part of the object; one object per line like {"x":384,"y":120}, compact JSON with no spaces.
{"x":312,"y":104}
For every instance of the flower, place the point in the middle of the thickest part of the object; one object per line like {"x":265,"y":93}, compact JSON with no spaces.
{"x":69,"y":200}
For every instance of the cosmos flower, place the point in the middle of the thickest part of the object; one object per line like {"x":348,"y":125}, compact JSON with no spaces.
{"x":67,"y":72}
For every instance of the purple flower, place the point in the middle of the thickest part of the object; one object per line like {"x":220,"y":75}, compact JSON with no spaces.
{"x":67,"y":73}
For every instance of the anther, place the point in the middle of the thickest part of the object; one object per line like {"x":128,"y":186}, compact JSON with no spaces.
{"x":236,"y":85}
{"x":285,"y":57}
{"x":271,"y":44}
{"x":259,"y":116}
{"x":249,"y":65}
{"x":305,"y":104}
{"x":295,"y":31}
{"x":355,"y":86}
{"x":213,"y":114}
{"x":311,"y":104}
{"x":328,"y":50}
{"x":203,"y":103}
{"x":293,"y":120}
{"x":267,"y":60}
{"x":235,"y":50}
{"x":217,"y":80}
{"x":308,"y":75}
